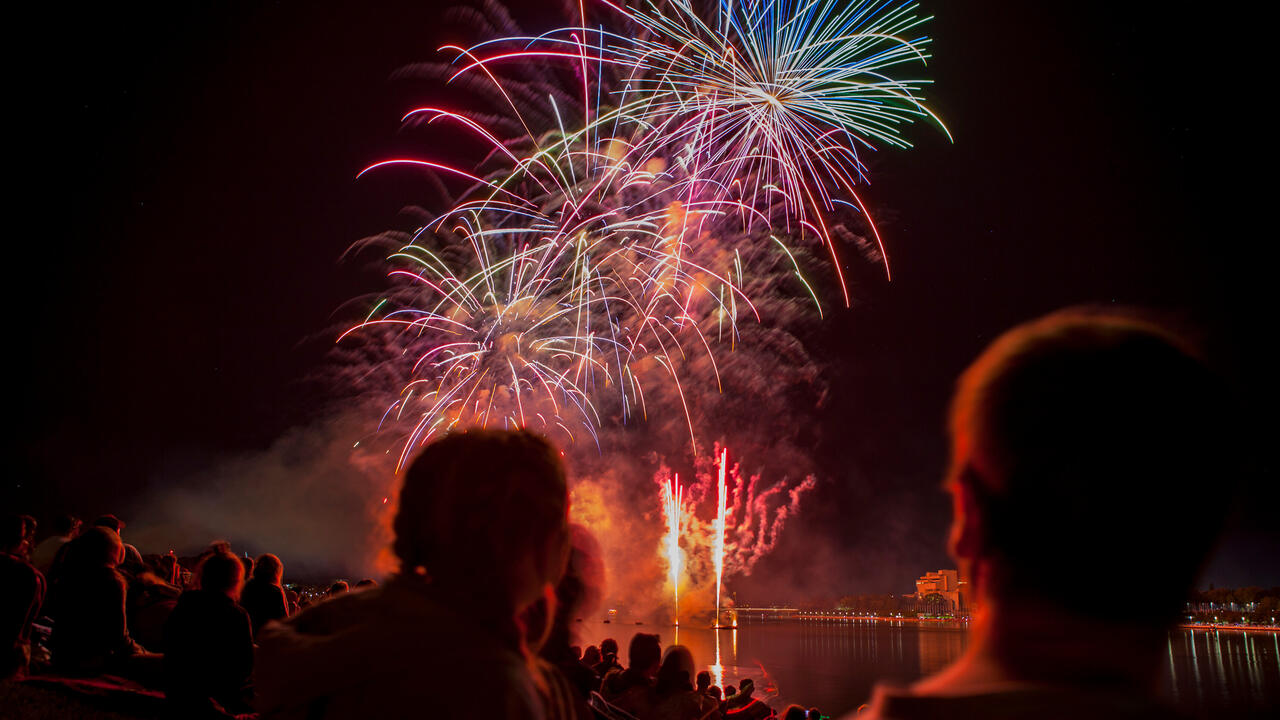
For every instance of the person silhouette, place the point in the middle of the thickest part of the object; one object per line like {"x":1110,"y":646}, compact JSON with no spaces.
{"x":263,"y":596}
{"x":208,"y":640}
{"x":481,"y":533}
{"x":1073,"y":439}
{"x":21,"y":596}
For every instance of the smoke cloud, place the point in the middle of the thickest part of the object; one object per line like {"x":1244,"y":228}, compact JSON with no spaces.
{"x":313,"y":498}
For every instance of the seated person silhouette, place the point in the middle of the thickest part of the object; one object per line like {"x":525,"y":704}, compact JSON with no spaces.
{"x":482,"y":534}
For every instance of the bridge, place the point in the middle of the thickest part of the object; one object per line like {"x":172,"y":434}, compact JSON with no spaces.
{"x":765,"y":613}
{"x":787,"y":613}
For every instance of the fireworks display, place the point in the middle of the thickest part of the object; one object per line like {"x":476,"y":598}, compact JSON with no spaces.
{"x":653,"y":178}
{"x":745,"y":519}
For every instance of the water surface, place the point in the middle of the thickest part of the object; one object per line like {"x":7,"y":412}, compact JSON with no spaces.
{"x":834,"y":664}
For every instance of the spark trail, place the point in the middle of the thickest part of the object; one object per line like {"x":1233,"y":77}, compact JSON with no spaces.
{"x":746,"y":519}
{"x":721,"y":496}
{"x":673,"y":513}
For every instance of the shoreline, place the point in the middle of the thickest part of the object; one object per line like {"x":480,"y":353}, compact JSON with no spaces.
{"x":966,"y":621}
{"x":1226,"y":626}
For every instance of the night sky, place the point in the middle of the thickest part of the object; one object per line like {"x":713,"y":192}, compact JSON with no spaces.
{"x":185,"y":186}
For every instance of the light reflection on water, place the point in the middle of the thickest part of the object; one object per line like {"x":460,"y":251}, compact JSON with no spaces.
{"x":834,"y":664}
{"x":1209,"y":669}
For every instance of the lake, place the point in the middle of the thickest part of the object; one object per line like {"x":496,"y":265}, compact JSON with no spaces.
{"x":834,"y":664}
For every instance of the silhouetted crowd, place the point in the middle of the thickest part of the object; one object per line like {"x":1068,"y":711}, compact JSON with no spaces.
{"x":657,"y":684}
{"x":1066,"y":433}
{"x":83,"y":602}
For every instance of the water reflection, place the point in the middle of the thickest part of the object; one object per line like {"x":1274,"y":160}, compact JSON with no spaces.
{"x":939,"y":649}
{"x":834,"y":663}
{"x":1224,"y":669}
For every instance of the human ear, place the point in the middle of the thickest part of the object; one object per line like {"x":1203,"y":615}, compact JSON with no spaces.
{"x":965,"y":541}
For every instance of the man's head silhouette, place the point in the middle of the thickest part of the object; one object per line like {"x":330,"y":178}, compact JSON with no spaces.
{"x":1091,"y":470}
{"x":1074,"y":440}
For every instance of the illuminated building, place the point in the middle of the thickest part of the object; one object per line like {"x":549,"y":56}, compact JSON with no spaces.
{"x":942,"y":591}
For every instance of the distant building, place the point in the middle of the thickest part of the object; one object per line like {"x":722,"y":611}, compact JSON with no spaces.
{"x":942,"y":592}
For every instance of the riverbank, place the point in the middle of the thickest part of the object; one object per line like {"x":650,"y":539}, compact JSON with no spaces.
{"x":1224,"y":626}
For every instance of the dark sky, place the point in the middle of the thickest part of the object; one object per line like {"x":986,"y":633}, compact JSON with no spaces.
{"x":185,"y":172}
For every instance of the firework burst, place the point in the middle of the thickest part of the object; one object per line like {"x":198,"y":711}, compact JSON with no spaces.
{"x":767,"y":104}
{"x":778,"y":97}
{"x":648,"y":184}
{"x":511,"y":341}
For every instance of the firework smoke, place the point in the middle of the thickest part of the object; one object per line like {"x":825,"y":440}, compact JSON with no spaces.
{"x":311,"y":498}
{"x":635,"y":256}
